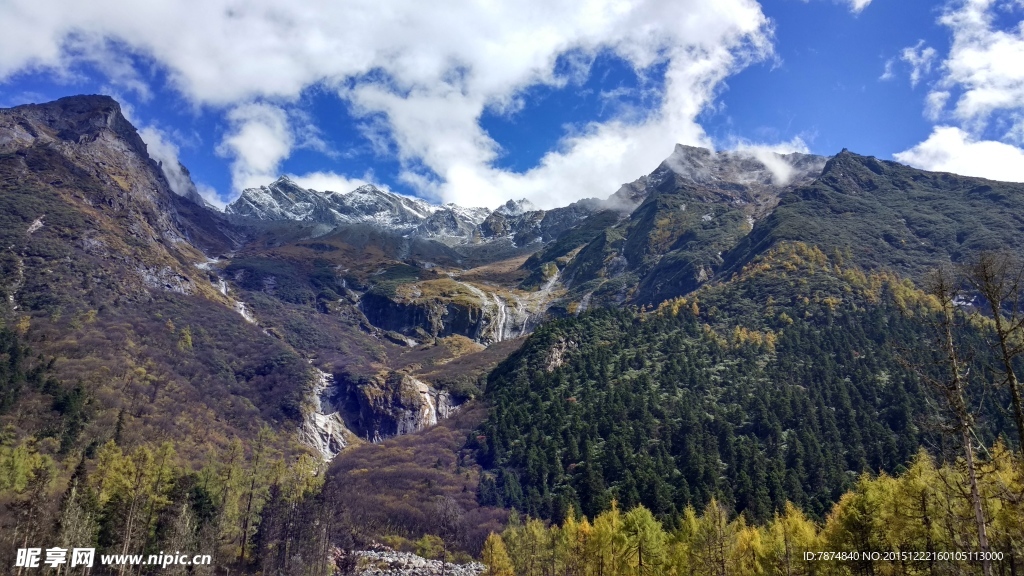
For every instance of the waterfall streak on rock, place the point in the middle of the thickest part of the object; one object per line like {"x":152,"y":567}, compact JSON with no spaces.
{"x":323,"y":429}
{"x":499,"y":323}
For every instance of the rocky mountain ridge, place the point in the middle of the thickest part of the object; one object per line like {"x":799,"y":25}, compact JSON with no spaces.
{"x":519,"y":222}
{"x":91,"y":227}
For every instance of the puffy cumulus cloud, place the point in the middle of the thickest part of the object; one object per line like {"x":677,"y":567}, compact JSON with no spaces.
{"x":951,"y":149}
{"x":981,"y":88}
{"x":984,"y":62}
{"x":258,"y":141}
{"x":421,"y":75}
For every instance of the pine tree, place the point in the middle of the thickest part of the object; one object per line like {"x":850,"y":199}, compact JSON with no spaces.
{"x":256,"y":487}
{"x":953,"y":387}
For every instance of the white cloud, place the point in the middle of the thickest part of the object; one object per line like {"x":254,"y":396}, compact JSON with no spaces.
{"x":856,"y":6}
{"x":164,"y":151}
{"x":435,"y":127}
{"x":259,"y":140}
{"x":920,"y":58}
{"x":328,"y":181}
{"x":211,"y":196}
{"x":769,"y":155}
{"x":935,"y":104}
{"x":984,"y":62}
{"x":423,"y":73}
{"x":112,"y":59}
{"x":983,"y":78}
{"x":950,"y":149}
{"x":888,"y":74}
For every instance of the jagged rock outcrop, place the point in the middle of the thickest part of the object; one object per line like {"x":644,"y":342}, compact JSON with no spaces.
{"x":558,"y":353}
{"x":517,"y":221}
{"x":747,"y":176}
{"x":84,"y":150}
{"x":390,"y":404}
{"x":418,"y":318}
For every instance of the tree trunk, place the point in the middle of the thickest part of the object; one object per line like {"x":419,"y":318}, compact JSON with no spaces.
{"x":979,"y":512}
{"x":998,"y":278}
{"x":959,"y":406}
{"x":1011,"y":380}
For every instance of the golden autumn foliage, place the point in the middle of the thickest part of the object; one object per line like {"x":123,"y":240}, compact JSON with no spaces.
{"x":496,"y":558}
{"x":923,"y":511}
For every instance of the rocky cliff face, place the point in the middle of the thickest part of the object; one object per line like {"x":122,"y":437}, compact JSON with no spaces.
{"x":390,"y":404}
{"x":85,"y":151}
{"x":449,"y":307}
{"x":323,"y":428}
{"x":748,"y":177}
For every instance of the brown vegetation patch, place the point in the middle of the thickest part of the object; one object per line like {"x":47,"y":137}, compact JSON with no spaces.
{"x":506,"y":272}
{"x":393,"y":488}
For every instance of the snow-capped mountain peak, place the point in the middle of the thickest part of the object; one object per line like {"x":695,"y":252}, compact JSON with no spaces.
{"x":283,"y":199}
{"x":516,"y":208}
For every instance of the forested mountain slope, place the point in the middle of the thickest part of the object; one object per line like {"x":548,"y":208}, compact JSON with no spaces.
{"x":880,"y":215}
{"x":99,"y":277}
{"x":886,"y":216}
{"x":783,"y":384}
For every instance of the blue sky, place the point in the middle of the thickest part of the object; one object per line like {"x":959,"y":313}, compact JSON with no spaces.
{"x":476,"y":103}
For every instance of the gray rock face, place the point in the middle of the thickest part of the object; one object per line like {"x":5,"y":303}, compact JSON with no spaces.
{"x":375,"y":409}
{"x":738,"y":168}
{"x":391,"y":404}
{"x":87,"y":139}
{"x":323,"y":428}
{"x":76,"y":119}
{"x":448,"y":307}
